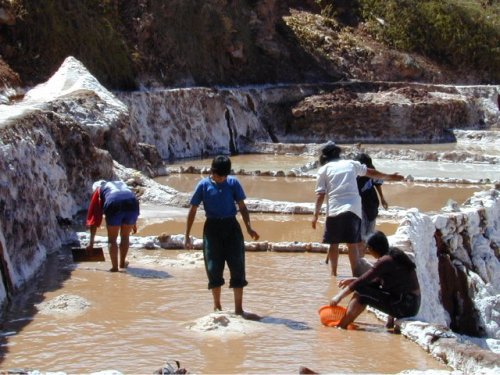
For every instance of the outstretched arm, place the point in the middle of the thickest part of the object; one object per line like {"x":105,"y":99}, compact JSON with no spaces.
{"x":373,"y":173}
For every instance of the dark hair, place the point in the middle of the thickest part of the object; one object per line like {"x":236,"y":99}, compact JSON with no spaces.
{"x":379,"y":244}
{"x":365,"y":159}
{"x":221,"y":165}
{"x":330,"y":152}
{"x":401,"y":258}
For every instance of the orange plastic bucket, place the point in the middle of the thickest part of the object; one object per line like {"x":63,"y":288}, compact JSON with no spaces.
{"x":330,"y":315}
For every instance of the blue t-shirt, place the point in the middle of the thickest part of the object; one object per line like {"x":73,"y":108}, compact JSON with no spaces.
{"x":218,"y":199}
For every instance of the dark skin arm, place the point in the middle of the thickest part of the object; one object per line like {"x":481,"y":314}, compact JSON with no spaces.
{"x":93,"y":230}
{"x":381,"y":195}
{"x":320,"y":198}
{"x":373,"y":173}
{"x":246,"y":220}
{"x":189,"y":224}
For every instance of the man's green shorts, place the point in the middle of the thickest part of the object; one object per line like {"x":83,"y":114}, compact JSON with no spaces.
{"x":223,"y":242}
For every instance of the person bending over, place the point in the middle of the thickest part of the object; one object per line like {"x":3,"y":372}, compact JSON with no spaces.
{"x":222,"y":236}
{"x":391,"y":286}
{"x":120,"y":206}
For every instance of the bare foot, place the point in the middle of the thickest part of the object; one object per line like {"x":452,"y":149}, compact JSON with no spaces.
{"x":249,"y":316}
{"x":113,"y":270}
{"x":125,"y":265}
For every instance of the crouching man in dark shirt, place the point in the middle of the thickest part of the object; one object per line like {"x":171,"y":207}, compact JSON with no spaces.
{"x":391,"y":286}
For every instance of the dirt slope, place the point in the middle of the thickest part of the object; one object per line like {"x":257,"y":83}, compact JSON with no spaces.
{"x":127,"y":44}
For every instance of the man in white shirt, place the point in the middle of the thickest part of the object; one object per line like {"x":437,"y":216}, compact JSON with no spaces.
{"x":337,"y":181}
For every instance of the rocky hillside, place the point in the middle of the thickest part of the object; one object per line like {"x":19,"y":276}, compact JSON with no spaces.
{"x":128,"y":44}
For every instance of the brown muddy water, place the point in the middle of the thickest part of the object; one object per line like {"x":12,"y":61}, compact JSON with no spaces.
{"x":288,"y":228}
{"x":140,"y":318}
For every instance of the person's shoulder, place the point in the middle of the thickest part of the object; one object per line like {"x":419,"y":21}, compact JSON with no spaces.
{"x":333,"y":164}
{"x":322,"y":168}
{"x":203,"y":181}
{"x":356,"y":163}
{"x":359,"y":167}
{"x":385,"y":259}
{"x":232,"y":180}
{"x":349,"y":162}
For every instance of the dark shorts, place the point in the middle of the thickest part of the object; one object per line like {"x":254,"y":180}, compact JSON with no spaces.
{"x":400,"y":306}
{"x":123,"y":212}
{"x":223,"y":242}
{"x":343,"y":228}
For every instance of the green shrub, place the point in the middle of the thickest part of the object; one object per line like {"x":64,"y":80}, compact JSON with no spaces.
{"x":346,"y":11}
{"x":461,"y":33}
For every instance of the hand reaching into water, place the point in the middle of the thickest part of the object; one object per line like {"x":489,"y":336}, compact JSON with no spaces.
{"x":335,"y":300}
{"x":344,"y":283}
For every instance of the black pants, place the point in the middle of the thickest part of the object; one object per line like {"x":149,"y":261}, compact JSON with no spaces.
{"x":399,"y":306}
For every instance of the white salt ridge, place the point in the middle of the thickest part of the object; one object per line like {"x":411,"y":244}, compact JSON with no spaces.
{"x":71,"y":78}
{"x":224,"y":324}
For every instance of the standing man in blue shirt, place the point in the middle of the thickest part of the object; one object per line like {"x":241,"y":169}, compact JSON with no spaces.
{"x":222,"y":236}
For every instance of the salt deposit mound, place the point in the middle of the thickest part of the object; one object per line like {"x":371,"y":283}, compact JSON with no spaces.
{"x":65,"y":304}
{"x":225,"y":323}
